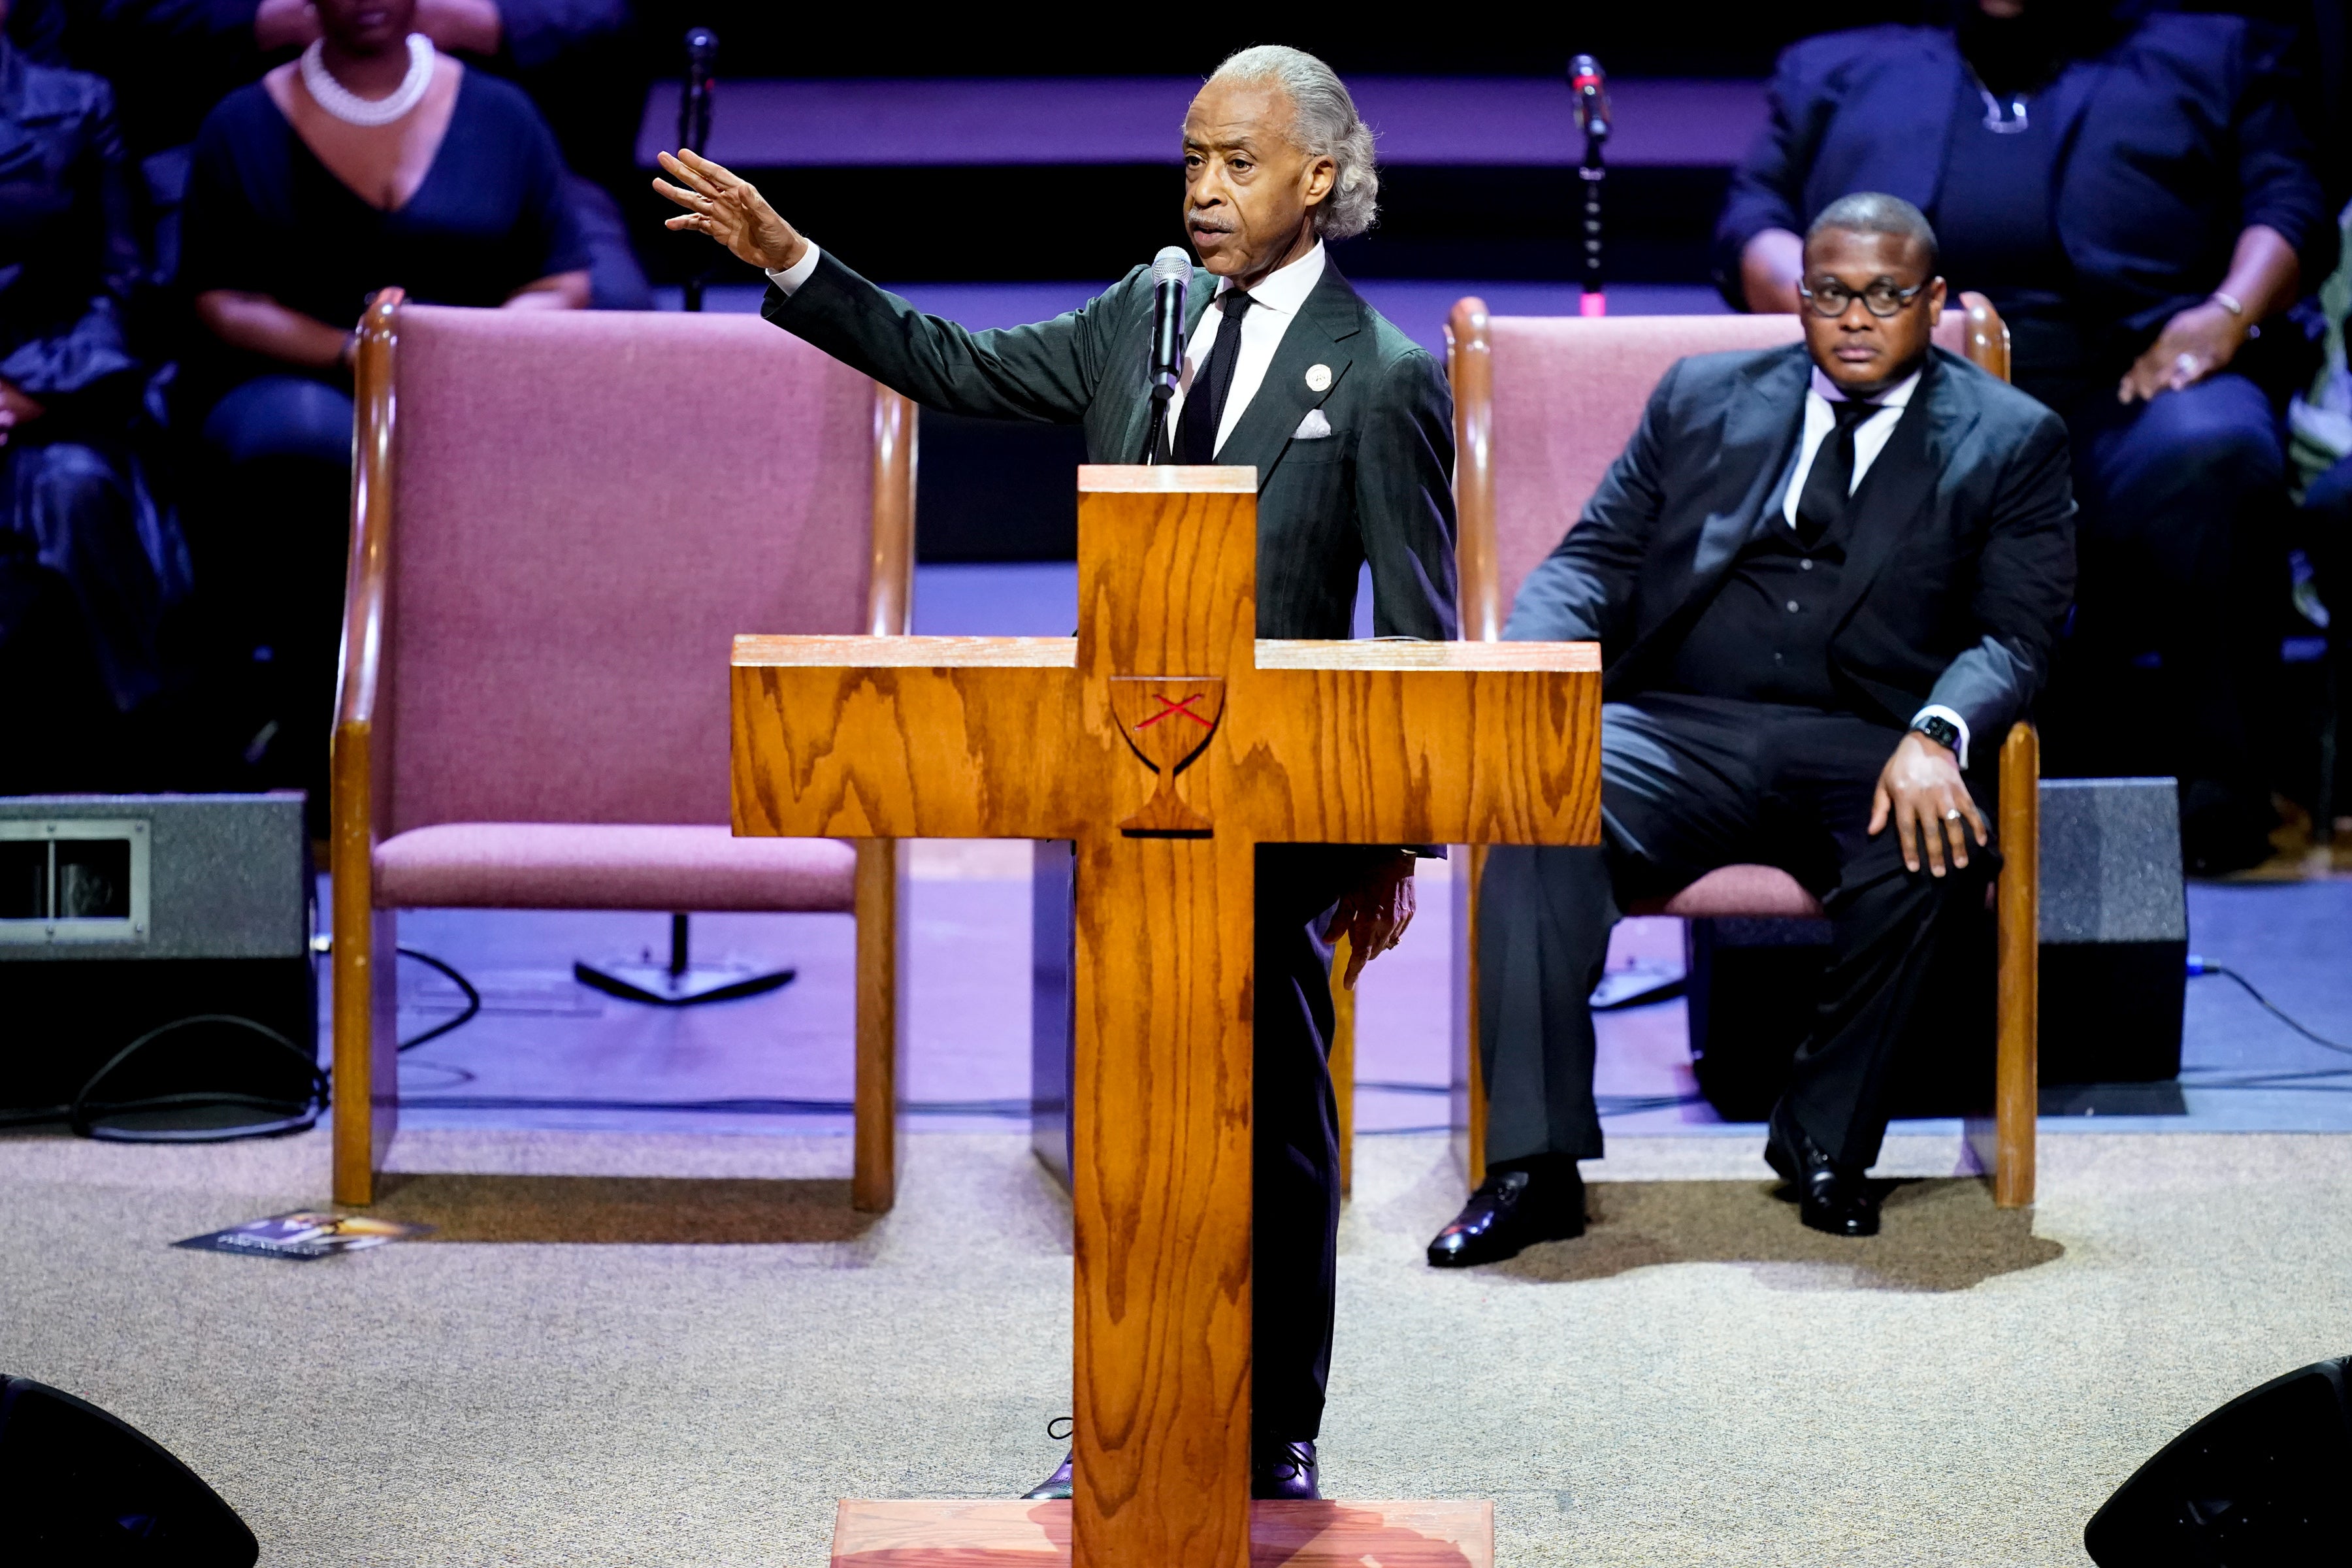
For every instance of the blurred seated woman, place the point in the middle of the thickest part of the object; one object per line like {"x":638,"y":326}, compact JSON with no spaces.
{"x":372,"y":161}
{"x":87,"y":564}
{"x":2135,"y":195}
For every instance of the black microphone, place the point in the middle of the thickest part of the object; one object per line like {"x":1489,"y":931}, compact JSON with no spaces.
{"x":1591,"y":85}
{"x":1171,"y":281}
{"x":694,"y":103}
{"x":694,"y":122}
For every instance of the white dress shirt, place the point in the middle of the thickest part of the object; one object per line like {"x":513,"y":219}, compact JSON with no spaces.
{"x":1275,"y":302}
{"x":1870,"y":438}
{"x":789,"y":279}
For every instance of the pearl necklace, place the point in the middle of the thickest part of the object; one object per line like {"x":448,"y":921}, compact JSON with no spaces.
{"x":350,"y":106}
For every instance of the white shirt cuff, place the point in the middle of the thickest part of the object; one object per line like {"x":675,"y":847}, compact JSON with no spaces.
{"x":1938,"y":710}
{"x":790,"y":279}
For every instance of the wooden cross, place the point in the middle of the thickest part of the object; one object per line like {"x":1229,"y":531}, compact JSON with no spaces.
{"x":1168,"y":742}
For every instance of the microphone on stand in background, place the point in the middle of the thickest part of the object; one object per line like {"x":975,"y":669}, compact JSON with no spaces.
{"x":1591,"y":85}
{"x":694,"y":120}
{"x":1171,"y":281}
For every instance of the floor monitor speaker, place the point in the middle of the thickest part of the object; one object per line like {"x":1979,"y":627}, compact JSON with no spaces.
{"x":123,"y":914}
{"x":2266,"y":1479}
{"x":81,"y":1489}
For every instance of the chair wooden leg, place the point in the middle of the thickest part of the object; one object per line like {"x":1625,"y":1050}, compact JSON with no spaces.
{"x":1342,"y":1059}
{"x":881,"y":913}
{"x":2017,"y":1072}
{"x":365,"y":1020}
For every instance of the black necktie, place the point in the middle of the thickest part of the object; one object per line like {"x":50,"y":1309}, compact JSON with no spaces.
{"x":1204,"y":404}
{"x":1830,"y":480}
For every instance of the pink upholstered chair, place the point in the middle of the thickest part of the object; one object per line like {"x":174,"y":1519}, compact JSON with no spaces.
{"x":558,"y":522}
{"x":1542,"y":407}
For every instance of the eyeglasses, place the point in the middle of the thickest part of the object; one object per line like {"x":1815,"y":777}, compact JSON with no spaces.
{"x":1881,"y":300}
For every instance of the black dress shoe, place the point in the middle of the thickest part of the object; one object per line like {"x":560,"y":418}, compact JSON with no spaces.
{"x":1830,"y":1197}
{"x":1513,"y":1209}
{"x":1054,"y":1488}
{"x":1284,"y":1471}
{"x":1276,"y":1470}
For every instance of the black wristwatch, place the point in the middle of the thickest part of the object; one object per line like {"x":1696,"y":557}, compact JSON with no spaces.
{"x":1940,"y":730}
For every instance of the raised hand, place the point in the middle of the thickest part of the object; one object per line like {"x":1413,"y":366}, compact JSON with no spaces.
{"x":1921,"y":791}
{"x":730,"y":210}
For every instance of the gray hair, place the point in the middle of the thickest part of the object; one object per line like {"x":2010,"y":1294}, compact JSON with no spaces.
{"x":1326,"y":124}
{"x":1875,"y":212}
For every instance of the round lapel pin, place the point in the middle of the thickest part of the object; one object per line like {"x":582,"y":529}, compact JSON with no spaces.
{"x":1318,"y":378}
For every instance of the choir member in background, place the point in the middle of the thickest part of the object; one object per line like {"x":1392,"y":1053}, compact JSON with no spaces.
{"x":2136,"y":198}
{"x":1350,"y":426}
{"x":374,"y":160}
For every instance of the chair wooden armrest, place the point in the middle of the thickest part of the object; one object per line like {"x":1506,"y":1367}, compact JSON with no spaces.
{"x":2017,"y":914}
{"x":882,"y":900}
{"x":366,"y":977}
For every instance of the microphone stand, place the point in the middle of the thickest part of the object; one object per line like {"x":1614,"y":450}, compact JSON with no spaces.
{"x":682,"y":983}
{"x":1591,"y":86}
{"x":1155,"y":441}
{"x":694,"y":121}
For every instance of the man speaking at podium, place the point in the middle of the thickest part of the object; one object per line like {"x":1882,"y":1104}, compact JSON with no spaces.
{"x":1349,"y":426}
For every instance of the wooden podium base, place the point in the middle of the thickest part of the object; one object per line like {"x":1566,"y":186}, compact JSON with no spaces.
{"x":1016,"y":1534}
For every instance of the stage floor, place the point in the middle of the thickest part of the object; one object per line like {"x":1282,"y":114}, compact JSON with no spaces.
{"x":621,"y":1351}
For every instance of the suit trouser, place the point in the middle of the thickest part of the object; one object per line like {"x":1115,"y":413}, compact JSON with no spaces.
{"x":1295,"y":1235}
{"x":1687,"y":784}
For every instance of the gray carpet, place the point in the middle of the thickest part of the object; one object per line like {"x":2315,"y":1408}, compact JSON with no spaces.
{"x":670,"y":1360}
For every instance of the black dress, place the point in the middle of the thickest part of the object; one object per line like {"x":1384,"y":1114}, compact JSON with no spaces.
{"x":265,"y":216}
{"x":1994,"y":217}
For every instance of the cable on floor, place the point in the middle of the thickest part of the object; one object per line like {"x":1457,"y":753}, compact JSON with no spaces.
{"x":473,"y":1001}
{"x":2198,"y":966}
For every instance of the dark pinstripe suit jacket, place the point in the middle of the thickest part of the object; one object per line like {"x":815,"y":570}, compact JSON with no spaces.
{"x":1377,"y":489}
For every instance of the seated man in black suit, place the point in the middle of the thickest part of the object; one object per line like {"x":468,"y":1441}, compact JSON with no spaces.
{"x":1826,"y":579}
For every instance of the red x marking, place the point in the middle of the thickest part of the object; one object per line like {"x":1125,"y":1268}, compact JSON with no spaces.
{"x":1185,"y":707}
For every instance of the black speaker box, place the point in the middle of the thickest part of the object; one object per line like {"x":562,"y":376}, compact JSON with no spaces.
{"x":2263,"y":1482}
{"x":80,"y":1488}
{"x":2115,"y":971}
{"x":122,"y":913}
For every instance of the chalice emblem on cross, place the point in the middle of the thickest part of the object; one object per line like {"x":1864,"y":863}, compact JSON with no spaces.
{"x":1167,"y":722}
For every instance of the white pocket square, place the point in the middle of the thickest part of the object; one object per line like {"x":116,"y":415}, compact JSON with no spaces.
{"x":1314,"y":428}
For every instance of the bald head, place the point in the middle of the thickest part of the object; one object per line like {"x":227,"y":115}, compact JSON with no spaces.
{"x":1875,"y":211}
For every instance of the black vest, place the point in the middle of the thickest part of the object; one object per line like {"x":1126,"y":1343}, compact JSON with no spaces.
{"x":1764,"y":634}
